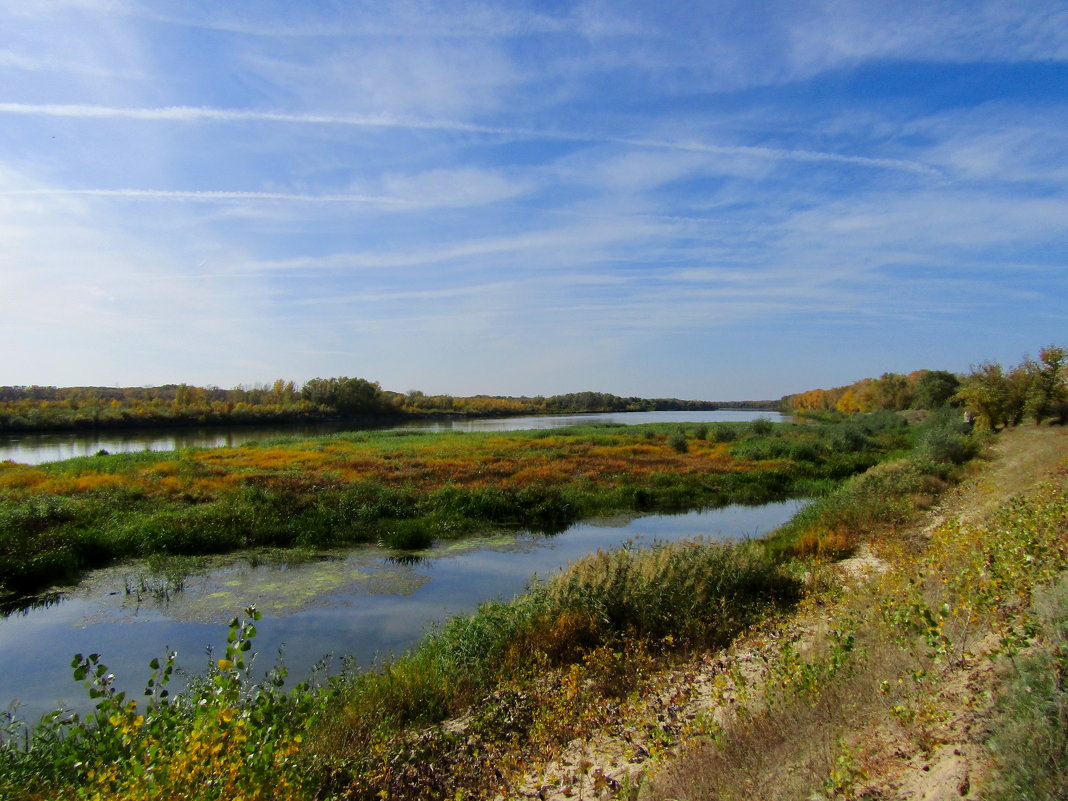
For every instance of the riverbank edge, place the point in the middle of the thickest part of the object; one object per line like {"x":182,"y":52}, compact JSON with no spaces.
{"x":912,"y":669}
{"x":298,"y":417}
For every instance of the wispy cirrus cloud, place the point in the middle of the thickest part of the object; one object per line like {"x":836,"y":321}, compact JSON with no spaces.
{"x":461,"y":19}
{"x":10,"y":59}
{"x":512,"y":197}
{"x":580,"y":243}
{"x":400,"y":192}
{"x":787,"y":42}
{"x":520,"y":289}
{"x":204,"y":195}
{"x":849,"y":33}
{"x":196,"y":114}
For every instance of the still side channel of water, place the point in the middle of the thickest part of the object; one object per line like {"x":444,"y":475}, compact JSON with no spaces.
{"x":35,"y":448}
{"x":359,"y":602}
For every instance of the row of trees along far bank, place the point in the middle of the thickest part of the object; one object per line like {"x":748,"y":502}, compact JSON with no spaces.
{"x":41,"y":408}
{"x":994,"y":396}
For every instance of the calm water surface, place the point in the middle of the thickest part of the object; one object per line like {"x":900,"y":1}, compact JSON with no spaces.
{"x":357,"y":602}
{"x":35,"y":448}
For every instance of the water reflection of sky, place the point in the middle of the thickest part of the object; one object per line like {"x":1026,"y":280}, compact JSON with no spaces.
{"x":355,"y":603}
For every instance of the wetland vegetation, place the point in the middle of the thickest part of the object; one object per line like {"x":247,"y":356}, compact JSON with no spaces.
{"x":403,"y":489}
{"x":531,"y":673}
{"x":492,"y":703}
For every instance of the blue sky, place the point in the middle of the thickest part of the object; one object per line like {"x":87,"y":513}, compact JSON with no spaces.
{"x":718,"y":200}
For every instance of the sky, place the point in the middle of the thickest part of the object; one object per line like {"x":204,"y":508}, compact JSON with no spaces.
{"x":712,"y":200}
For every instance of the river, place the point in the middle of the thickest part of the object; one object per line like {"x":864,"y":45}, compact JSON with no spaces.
{"x":54,"y":446}
{"x":358,"y":602}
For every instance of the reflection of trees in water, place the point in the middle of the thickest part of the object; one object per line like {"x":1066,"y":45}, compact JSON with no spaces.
{"x":406,"y":559}
{"x":23,"y":606}
{"x":157,"y":587}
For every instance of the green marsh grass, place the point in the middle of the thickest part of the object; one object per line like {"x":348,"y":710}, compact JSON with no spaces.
{"x":885,"y":495}
{"x":402,"y":489}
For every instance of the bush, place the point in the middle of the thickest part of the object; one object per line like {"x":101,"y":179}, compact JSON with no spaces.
{"x":881,"y":421}
{"x":224,"y":737}
{"x":761,"y":427}
{"x":724,"y":433}
{"x":804,"y":452}
{"x":945,"y":439}
{"x":948,"y":447}
{"x":850,"y":439}
{"x":406,"y":535}
{"x":697,"y":592}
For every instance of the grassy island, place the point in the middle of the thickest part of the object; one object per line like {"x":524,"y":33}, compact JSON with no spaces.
{"x":405,"y":489}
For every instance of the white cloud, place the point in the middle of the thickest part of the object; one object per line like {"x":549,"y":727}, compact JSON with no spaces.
{"x":439,"y":78}
{"x":844,"y":34}
{"x":444,"y":188}
{"x":998,"y":142}
{"x":475,"y":190}
{"x":928,"y":223}
{"x":575,"y":244}
{"x":207,"y":196}
{"x":357,"y":20}
{"x":520,"y":290}
{"x":726,"y":46}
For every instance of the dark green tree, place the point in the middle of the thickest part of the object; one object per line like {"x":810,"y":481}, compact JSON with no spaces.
{"x":985,"y":395}
{"x":891,"y":391}
{"x":934,"y":389}
{"x":1047,"y":387}
{"x":345,"y":395}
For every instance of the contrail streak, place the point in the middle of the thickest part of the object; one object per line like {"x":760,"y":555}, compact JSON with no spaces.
{"x":194,"y":114}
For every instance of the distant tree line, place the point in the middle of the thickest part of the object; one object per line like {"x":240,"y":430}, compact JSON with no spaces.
{"x":27,"y":408}
{"x":570,"y":403}
{"x":32,"y":408}
{"x":992,"y":395}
